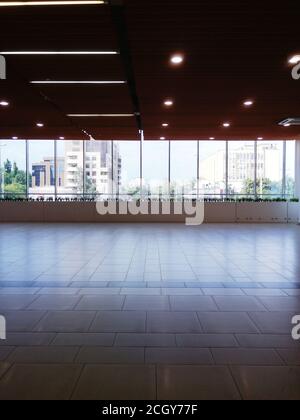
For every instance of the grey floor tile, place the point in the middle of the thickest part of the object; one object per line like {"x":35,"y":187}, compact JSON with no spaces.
{"x":66,"y":321}
{"x":290,"y":356}
{"x":244,"y":357}
{"x":103,"y":355}
{"x":223,"y":292}
{"x":54,"y":302}
{"x":268,"y":383}
{"x":84,"y":339}
{"x":192,"y":303}
{"x":101,"y":303}
{"x":282,"y":304}
{"x":141,"y":291}
{"x":273,"y":322}
{"x":19,"y":290}
{"x":44,"y":354}
{"x":119,"y":321}
{"x":116,"y":382}
{"x":4,"y":366}
{"x":206,"y":340}
{"x":172,"y":322}
{"x":39,"y":382}
{"x":226,"y":322}
{"x":267,"y":341}
{"x":195,"y":383}
{"x":19,"y":321}
{"x":238,"y":303}
{"x":264,"y":292}
{"x":145,"y":340}
{"x":27,"y":339}
{"x":15,"y":302}
{"x":58,"y":291}
{"x":182,"y":356}
{"x":147,"y":303}
{"x":182,"y":291}
{"x":5,"y":351}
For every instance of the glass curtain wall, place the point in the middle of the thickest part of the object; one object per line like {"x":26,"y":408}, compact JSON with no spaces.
{"x":66,"y":169}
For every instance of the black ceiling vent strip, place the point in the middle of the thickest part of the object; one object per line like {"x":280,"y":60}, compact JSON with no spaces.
{"x":119,"y":20}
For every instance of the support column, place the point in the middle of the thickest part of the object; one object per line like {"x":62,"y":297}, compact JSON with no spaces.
{"x":297,"y":173}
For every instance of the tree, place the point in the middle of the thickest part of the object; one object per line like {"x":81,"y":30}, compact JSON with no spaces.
{"x":7,"y":166}
{"x":263,"y":186}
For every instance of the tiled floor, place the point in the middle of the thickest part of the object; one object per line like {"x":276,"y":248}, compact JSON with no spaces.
{"x":149,"y":311}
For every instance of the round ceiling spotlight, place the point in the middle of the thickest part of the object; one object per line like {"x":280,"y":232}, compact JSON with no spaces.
{"x":287,"y":125}
{"x":39,"y":124}
{"x":177,"y":59}
{"x":248,"y":103}
{"x":165,"y":125}
{"x":162,"y":138}
{"x":226,"y":124}
{"x":169,"y":102}
{"x":4,"y":103}
{"x":15,"y":138}
{"x":211,"y":138}
{"x":260,"y":138}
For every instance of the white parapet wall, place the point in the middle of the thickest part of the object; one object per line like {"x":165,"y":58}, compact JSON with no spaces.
{"x":86,"y":212}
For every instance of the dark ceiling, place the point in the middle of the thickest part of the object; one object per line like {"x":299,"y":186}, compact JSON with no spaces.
{"x":233,"y":51}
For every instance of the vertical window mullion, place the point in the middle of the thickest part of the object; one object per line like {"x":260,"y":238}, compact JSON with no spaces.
{"x":255,"y":169}
{"x":284,"y":170}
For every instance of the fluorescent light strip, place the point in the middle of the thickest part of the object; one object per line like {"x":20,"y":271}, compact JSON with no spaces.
{"x":50,"y":3}
{"x":59,"y":52}
{"x":77,"y":82}
{"x":100,"y":115}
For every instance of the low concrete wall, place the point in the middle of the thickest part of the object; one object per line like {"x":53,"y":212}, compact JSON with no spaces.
{"x":11,"y":211}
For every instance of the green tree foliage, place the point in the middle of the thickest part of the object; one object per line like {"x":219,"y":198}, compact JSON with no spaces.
{"x":13,"y":180}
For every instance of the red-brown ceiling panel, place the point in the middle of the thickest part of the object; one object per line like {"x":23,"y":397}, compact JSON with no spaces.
{"x":233,"y":51}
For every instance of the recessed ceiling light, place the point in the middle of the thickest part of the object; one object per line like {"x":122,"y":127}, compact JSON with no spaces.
{"x":248,"y":103}
{"x":260,"y":138}
{"x":177,"y":59}
{"x":4,"y":103}
{"x":50,"y":3}
{"x":61,"y":138}
{"x":295,"y":59}
{"x":59,"y":52}
{"x":165,"y":125}
{"x":226,"y":124}
{"x":100,"y":115}
{"x":169,"y":102}
{"x":162,"y":138}
{"x":78,"y":82}
{"x":211,"y":138}
{"x":287,"y":125}
{"x":15,"y":138}
{"x":39,"y":124}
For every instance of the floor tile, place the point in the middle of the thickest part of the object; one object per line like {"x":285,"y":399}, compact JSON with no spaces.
{"x":66,"y":321}
{"x":268,"y":383}
{"x":195,"y":383}
{"x":253,"y":357}
{"x":171,"y":356}
{"x":119,"y":321}
{"x":84,"y":339}
{"x":15,"y":302}
{"x":116,"y":382}
{"x":267,"y":341}
{"x":147,"y":303}
{"x":47,"y":382}
{"x":44,"y":354}
{"x":226,"y":322}
{"x":54,"y":302}
{"x":273,"y":322}
{"x":101,"y":303}
{"x":122,"y":355}
{"x":206,"y":340}
{"x":145,"y":340}
{"x":238,"y":303}
{"x":172,"y":322}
